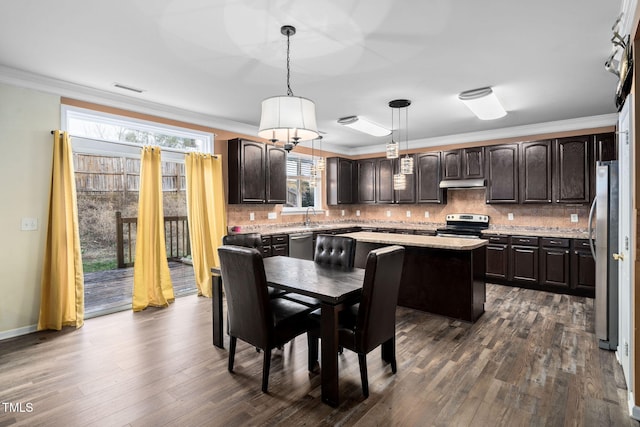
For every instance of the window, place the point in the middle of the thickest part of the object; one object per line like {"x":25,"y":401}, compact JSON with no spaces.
{"x":302,"y":188}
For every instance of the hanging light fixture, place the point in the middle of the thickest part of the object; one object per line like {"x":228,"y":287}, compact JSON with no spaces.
{"x":406,"y":163}
{"x":320,"y":163}
{"x":400,"y":179}
{"x":288,"y":119}
{"x":392,"y":147}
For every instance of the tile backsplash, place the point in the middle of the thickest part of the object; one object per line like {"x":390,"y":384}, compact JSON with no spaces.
{"x":555,"y":216}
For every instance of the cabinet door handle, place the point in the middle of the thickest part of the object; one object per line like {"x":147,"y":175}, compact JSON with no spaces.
{"x":555,"y":242}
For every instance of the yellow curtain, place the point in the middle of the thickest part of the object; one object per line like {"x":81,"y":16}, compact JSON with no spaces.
{"x":207,"y":215}
{"x":151,"y":278}
{"x":62,"y":296}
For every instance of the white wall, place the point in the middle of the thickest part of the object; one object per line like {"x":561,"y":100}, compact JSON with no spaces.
{"x":26,"y":120}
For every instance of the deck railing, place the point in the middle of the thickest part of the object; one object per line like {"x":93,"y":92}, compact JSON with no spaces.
{"x":176,"y":233}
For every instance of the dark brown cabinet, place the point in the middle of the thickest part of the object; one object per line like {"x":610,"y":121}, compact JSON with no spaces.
{"x":554,"y":264}
{"x":366,"y":180}
{"x":497,"y":257}
{"x":583,"y":268}
{"x":606,"y":148}
{"x":428,"y":178}
{"x":535,"y":172}
{"x":280,"y":245}
{"x":502,"y":173}
{"x":523,"y":259}
{"x":257,"y":173}
{"x":385,"y":169}
{"x":340,"y":180}
{"x":572,"y":169}
{"x":408,"y":195}
{"x":464,"y":163}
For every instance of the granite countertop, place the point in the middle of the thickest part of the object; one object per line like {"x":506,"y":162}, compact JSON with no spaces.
{"x":453,"y":243}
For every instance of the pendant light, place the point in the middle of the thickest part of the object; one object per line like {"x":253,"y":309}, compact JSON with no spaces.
{"x":288,"y":118}
{"x":392,"y":147}
{"x":320,"y":163}
{"x":400,"y":179}
{"x":406,"y":163}
{"x":313,"y":179}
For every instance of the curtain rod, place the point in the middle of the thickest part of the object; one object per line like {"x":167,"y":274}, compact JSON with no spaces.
{"x":129,"y":144}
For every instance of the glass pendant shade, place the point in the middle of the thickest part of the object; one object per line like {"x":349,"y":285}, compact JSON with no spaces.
{"x":399,"y":181}
{"x":320,"y":164}
{"x":288,"y":118}
{"x":392,"y":150}
{"x":406,"y":165}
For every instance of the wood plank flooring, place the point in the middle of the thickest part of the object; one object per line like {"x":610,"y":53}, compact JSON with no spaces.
{"x":531,"y":360}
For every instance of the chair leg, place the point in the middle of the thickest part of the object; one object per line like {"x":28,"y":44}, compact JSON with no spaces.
{"x":266,"y":364}
{"x":312,"y":344}
{"x":388,"y":350}
{"x":362,"y":359}
{"x":232,"y":352}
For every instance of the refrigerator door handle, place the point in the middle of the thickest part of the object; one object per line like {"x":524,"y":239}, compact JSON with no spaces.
{"x":590,"y":228}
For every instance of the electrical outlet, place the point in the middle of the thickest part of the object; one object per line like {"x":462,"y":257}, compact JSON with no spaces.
{"x":252,"y":216}
{"x":326,"y":213}
{"x":29,"y":224}
{"x":426,"y":214}
{"x":342,"y":212}
{"x":388,"y":213}
{"x":272,"y":215}
{"x":574,"y":217}
{"x":358,"y":212}
{"x":408,"y":214}
{"x":510,"y":216}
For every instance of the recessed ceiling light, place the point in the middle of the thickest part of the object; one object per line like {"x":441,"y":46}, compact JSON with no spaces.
{"x":125,"y":87}
{"x":364,"y":125}
{"x":483,"y":103}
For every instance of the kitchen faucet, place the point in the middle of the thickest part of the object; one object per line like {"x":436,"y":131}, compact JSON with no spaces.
{"x":307,"y":221}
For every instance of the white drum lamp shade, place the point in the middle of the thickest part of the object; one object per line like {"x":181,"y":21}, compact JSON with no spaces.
{"x":288,"y":118}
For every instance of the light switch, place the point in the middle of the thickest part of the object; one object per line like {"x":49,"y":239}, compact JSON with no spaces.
{"x":252,"y":216}
{"x":358,"y":212}
{"x":574,"y":217}
{"x":342,"y":212}
{"x":29,"y":224}
{"x":388,"y":213}
{"x":426,"y":214}
{"x":326,"y":213}
{"x":408,"y":214}
{"x":510,"y":216}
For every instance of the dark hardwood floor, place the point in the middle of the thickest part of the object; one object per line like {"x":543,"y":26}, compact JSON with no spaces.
{"x":531,"y":359}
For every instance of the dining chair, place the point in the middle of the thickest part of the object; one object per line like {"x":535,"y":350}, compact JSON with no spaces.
{"x":371,"y":323}
{"x":263,"y":322}
{"x":337,"y":251}
{"x":250,"y":240}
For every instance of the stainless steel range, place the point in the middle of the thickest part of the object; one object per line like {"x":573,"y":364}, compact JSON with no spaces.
{"x":464,"y":225}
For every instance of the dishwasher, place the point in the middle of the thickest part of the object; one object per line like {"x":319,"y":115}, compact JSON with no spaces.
{"x":301,"y":245}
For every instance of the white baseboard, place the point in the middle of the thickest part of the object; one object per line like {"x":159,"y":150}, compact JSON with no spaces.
{"x":18,"y":332}
{"x":634,"y":410}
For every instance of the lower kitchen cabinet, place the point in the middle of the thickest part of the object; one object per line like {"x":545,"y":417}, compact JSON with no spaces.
{"x":554,"y":264}
{"x":560,"y":265}
{"x":583,"y":268}
{"x":277,"y":244}
{"x":498,"y":257}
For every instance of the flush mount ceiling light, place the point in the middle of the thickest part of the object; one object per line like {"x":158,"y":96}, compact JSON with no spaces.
{"x":483,"y":103}
{"x":288,"y":119}
{"x":364,"y":125}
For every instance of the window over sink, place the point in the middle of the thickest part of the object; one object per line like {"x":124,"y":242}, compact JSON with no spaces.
{"x":303,"y":189}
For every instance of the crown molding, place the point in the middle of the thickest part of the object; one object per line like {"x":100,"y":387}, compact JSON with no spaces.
{"x":63,"y":88}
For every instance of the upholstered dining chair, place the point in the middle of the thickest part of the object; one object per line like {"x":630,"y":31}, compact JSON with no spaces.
{"x":250,"y":240}
{"x":337,"y":251}
{"x":263,"y":322}
{"x":372,"y":323}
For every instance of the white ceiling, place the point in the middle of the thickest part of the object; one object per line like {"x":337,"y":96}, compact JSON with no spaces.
{"x":219,"y":59}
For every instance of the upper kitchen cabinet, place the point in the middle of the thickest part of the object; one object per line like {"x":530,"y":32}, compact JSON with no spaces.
{"x":408,"y":195}
{"x":366,"y":173}
{"x":464,"y":163}
{"x":428,"y":178}
{"x":571,"y":159}
{"x":385,"y":169}
{"x":340,"y":180}
{"x":535,"y":172}
{"x":606,"y":147}
{"x":257,"y":173}
{"x":502,"y":173}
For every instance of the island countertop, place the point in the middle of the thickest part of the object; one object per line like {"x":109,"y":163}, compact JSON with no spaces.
{"x":451,"y":243}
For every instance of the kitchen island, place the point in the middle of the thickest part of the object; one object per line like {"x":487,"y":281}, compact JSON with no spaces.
{"x":441,"y":275}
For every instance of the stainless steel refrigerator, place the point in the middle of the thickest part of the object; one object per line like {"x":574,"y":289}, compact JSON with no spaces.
{"x":604,"y":212}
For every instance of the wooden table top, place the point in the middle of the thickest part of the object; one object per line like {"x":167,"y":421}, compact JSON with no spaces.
{"x":326,"y":283}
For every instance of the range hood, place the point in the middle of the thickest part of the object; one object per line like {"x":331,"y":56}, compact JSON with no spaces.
{"x":462,"y":183}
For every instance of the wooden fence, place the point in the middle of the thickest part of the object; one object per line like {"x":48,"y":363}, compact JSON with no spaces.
{"x":176,"y":233}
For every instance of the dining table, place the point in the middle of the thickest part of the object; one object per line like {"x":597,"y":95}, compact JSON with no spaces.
{"x":335,"y":288}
